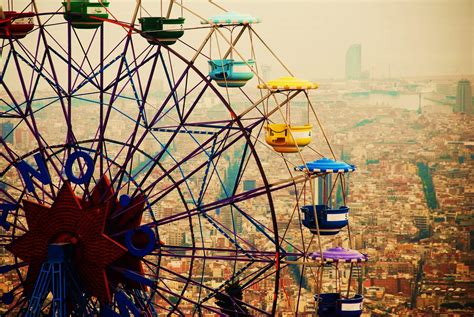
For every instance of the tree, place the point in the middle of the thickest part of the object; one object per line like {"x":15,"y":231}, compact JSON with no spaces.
{"x":230,"y":302}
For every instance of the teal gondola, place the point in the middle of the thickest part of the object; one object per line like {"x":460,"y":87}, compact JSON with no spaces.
{"x":230,"y":73}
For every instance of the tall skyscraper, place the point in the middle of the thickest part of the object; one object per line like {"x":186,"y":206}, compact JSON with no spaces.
{"x":323,"y":190}
{"x":354,"y":62}
{"x":6,"y":130}
{"x":464,"y":97}
{"x":266,"y":72}
{"x":232,"y":219}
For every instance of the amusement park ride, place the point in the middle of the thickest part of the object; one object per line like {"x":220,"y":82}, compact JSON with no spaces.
{"x":125,"y":152}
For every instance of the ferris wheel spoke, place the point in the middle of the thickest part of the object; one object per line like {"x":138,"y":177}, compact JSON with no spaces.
{"x":173,"y":307}
{"x":203,"y":147}
{"x":154,"y":120}
{"x":104,"y":122}
{"x":31,"y":61}
{"x":49,"y":48}
{"x":101,"y":67}
{"x":28,"y":102}
{"x":128,"y":77}
{"x":6,"y":110}
{"x":264,"y":229}
{"x":163,"y":308}
{"x":199,"y":150}
{"x":244,"y":258}
{"x":207,"y":288}
{"x":148,"y":86}
{"x":136,"y":71}
{"x":180,"y":278}
{"x":115,"y":85}
{"x":143,"y":301}
{"x":85,"y":59}
{"x":166,"y":110}
{"x":225,"y":231}
{"x":101,"y":129}
{"x":172,"y":83}
{"x":20,"y":73}
{"x":236,"y":276}
{"x":159,"y":195}
{"x":34,"y":60}
{"x":88,"y":78}
{"x":124,"y":74}
{"x":131,"y":82}
{"x":162,"y":152}
{"x":225,"y":202}
{"x":261,"y":275}
{"x":29,"y":99}
{"x":171,"y":94}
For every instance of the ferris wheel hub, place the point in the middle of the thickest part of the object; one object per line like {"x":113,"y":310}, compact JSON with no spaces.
{"x":75,"y":229}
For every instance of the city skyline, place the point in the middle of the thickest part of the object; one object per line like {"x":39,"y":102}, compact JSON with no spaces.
{"x":354,"y":62}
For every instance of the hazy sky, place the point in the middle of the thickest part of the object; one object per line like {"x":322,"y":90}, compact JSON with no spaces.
{"x":398,"y":37}
{"x":409,"y":38}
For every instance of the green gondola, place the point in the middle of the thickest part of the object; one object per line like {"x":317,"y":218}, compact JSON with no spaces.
{"x":83,"y":14}
{"x":161,"y":31}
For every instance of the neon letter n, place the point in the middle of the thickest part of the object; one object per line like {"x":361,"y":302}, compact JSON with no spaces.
{"x":28,"y":172}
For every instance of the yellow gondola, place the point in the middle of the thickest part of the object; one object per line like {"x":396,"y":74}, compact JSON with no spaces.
{"x":286,"y":137}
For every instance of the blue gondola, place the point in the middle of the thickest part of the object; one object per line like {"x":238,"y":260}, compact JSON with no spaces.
{"x":332,"y":305}
{"x":230,"y":73}
{"x":330,"y":221}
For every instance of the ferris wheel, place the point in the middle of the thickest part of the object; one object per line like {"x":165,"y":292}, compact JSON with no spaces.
{"x":149,"y":169}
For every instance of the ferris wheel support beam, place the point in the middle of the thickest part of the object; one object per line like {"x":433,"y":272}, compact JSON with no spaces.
{"x":105,"y":120}
{"x":101,"y":97}
{"x":69,"y":82}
